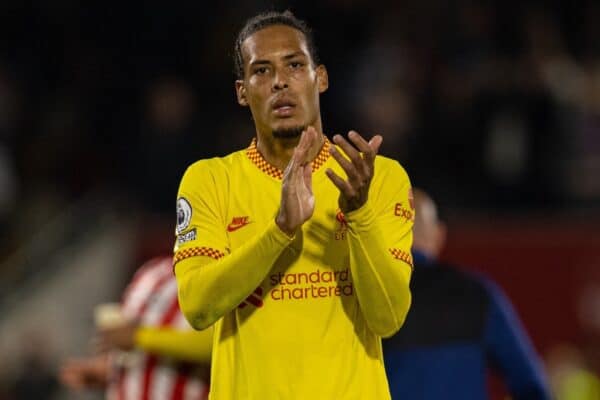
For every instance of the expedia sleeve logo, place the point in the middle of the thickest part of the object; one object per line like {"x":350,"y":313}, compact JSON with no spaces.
{"x":184,"y":214}
{"x":403,"y":212}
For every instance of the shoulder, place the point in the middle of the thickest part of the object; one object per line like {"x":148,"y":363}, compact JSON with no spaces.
{"x":386,"y":167}
{"x":483,"y":283}
{"x":391,"y":177}
{"x":454,"y":276}
{"x":216,"y":166}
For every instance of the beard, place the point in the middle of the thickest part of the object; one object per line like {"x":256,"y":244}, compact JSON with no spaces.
{"x":289,"y":133}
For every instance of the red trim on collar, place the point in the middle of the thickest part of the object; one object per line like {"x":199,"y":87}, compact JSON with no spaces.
{"x":274,"y":172}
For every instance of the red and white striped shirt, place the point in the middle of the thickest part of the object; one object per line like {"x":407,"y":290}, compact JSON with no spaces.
{"x":151,"y":298}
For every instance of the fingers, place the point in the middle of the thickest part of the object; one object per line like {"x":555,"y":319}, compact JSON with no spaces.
{"x":362,"y":162}
{"x":350,"y":150}
{"x":307,"y":140}
{"x":370,"y":148}
{"x":375,"y":144}
{"x":355,"y":168}
{"x":300,"y":157}
{"x":343,"y":186}
{"x":307,"y":175}
{"x":343,"y":161}
{"x":359,"y":167}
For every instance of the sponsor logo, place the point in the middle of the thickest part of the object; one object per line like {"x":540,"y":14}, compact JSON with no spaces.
{"x":317,"y":284}
{"x":411,"y":199}
{"x":185,"y":237}
{"x":254,"y":299}
{"x":403,"y":212}
{"x":184,"y":214}
{"x":311,"y":285}
{"x":237,"y":223}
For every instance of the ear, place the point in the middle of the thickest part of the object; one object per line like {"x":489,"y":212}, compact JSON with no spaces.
{"x":322,"y":78}
{"x":240,"y":91}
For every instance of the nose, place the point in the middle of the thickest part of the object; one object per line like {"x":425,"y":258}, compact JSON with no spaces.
{"x":279,"y":82}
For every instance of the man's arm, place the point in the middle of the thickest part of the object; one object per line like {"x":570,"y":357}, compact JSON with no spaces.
{"x":208,"y":288}
{"x":381,"y":281}
{"x":85,"y":373}
{"x":510,"y":350}
{"x":380,"y":258}
{"x":184,"y":345}
{"x":210,"y":283}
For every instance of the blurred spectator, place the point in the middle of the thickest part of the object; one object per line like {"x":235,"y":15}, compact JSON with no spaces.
{"x":459,"y":325}
{"x":146,"y":348}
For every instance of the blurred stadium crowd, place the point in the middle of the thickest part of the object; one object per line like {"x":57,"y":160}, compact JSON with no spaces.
{"x":493,"y":106}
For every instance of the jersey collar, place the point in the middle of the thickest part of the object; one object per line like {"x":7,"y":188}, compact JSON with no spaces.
{"x":274,"y":172}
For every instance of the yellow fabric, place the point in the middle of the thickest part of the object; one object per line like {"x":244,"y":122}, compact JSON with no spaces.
{"x":378,"y":280}
{"x":194,"y":346}
{"x":327,"y":295}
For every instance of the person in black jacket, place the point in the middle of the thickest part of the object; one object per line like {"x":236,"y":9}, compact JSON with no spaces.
{"x":459,"y":325}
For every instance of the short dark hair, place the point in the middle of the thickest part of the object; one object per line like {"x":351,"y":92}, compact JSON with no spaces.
{"x":264,"y":20}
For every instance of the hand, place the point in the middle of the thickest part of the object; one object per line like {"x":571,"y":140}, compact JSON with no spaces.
{"x":120,"y":337}
{"x":85,"y":373}
{"x":359,"y":169}
{"x":297,"y":199}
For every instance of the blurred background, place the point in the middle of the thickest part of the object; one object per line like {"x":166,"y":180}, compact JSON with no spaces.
{"x":491,"y":106}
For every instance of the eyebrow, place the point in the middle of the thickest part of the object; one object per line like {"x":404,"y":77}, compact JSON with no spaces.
{"x":257,"y":62}
{"x":286,"y":57}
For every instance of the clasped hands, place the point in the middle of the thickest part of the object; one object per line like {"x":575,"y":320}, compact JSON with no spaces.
{"x":356,"y":159}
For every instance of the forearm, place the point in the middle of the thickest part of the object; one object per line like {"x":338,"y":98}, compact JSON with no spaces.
{"x":208,"y":289}
{"x":381,"y":281}
{"x":194,"y":346}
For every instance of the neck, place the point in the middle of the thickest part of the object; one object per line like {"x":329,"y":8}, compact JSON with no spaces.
{"x":279,"y":151}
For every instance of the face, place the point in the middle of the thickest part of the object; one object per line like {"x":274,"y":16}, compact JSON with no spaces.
{"x":281,"y":84}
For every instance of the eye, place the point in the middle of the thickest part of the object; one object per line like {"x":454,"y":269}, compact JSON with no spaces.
{"x":261,"y":70}
{"x":296,"y":64}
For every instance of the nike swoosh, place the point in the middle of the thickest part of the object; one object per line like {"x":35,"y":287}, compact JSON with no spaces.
{"x":235,"y":227}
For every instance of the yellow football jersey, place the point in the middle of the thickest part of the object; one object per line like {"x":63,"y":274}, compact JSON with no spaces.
{"x":301,"y":334}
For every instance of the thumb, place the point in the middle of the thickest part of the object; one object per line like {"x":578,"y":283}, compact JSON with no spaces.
{"x":307,"y":175}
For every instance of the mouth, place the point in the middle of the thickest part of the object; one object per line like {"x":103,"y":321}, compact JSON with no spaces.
{"x":283,"y":107}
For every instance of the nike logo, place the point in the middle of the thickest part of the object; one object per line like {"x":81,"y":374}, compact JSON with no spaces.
{"x":237,"y":223}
